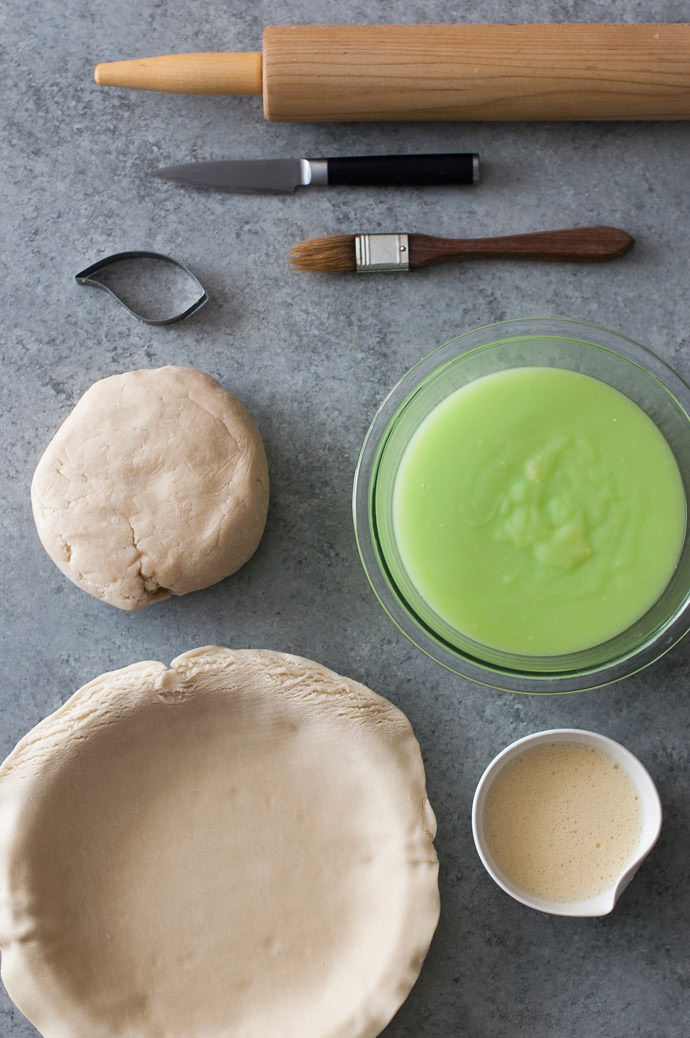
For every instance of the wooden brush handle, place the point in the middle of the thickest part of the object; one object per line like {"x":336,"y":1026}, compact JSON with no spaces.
{"x":350,"y":73}
{"x":584,"y":244}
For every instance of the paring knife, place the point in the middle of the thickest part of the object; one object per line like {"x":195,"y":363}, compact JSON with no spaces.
{"x":276,"y":176}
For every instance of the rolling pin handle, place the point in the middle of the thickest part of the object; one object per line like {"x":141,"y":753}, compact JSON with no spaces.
{"x":218,"y":73}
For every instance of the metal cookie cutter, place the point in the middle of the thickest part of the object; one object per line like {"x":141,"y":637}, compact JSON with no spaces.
{"x":154,"y":288}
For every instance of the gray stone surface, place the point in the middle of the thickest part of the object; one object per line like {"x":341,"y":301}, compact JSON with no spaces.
{"x":312,"y":358}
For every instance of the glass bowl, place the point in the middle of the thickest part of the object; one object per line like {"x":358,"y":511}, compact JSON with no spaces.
{"x":530,"y":342}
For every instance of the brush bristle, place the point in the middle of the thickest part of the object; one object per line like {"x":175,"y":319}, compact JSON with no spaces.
{"x":333,"y":255}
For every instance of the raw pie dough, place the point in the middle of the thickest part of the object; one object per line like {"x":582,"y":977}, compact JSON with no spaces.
{"x":240,"y":845}
{"x":156,"y":484}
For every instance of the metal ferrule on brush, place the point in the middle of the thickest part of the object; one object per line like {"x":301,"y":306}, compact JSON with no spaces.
{"x":381,"y":252}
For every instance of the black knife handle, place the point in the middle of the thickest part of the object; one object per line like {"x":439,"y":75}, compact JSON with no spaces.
{"x":404,"y":170}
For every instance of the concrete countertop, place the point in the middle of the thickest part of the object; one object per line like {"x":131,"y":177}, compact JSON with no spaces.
{"x":312,"y":358}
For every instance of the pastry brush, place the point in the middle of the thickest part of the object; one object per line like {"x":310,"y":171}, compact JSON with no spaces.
{"x":345,"y":253}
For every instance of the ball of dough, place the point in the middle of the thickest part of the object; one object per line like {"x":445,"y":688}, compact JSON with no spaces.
{"x":156,"y":484}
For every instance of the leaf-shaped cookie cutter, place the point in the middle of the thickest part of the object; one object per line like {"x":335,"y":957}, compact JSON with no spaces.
{"x":87,"y":277}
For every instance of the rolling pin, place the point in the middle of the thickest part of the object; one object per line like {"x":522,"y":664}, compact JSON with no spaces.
{"x":340,"y":73}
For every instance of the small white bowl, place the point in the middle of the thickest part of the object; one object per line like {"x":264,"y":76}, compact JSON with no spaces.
{"x":604,"y":902}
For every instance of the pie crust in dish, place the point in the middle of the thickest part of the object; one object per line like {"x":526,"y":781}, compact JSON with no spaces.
{"x":238,"y":845}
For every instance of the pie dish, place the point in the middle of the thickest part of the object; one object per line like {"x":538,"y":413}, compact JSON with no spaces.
{"x":240,"y":844}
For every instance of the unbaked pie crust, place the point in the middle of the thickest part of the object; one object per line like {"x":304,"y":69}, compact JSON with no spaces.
{"x":239,"y":845}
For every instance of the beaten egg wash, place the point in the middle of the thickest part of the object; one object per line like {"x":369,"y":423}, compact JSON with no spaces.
{"x":538,"y":511}
{"x":562,"y":821}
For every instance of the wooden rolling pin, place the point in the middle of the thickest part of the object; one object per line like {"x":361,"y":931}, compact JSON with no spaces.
{"x":340,"y":73}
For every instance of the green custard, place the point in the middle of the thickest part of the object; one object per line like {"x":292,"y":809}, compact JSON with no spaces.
{"x":538,"y":511}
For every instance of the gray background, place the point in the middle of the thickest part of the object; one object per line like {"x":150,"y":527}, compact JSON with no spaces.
{"x":312,"y":358}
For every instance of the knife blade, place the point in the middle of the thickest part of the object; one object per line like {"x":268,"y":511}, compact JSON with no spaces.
{"x":282,"y":176}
